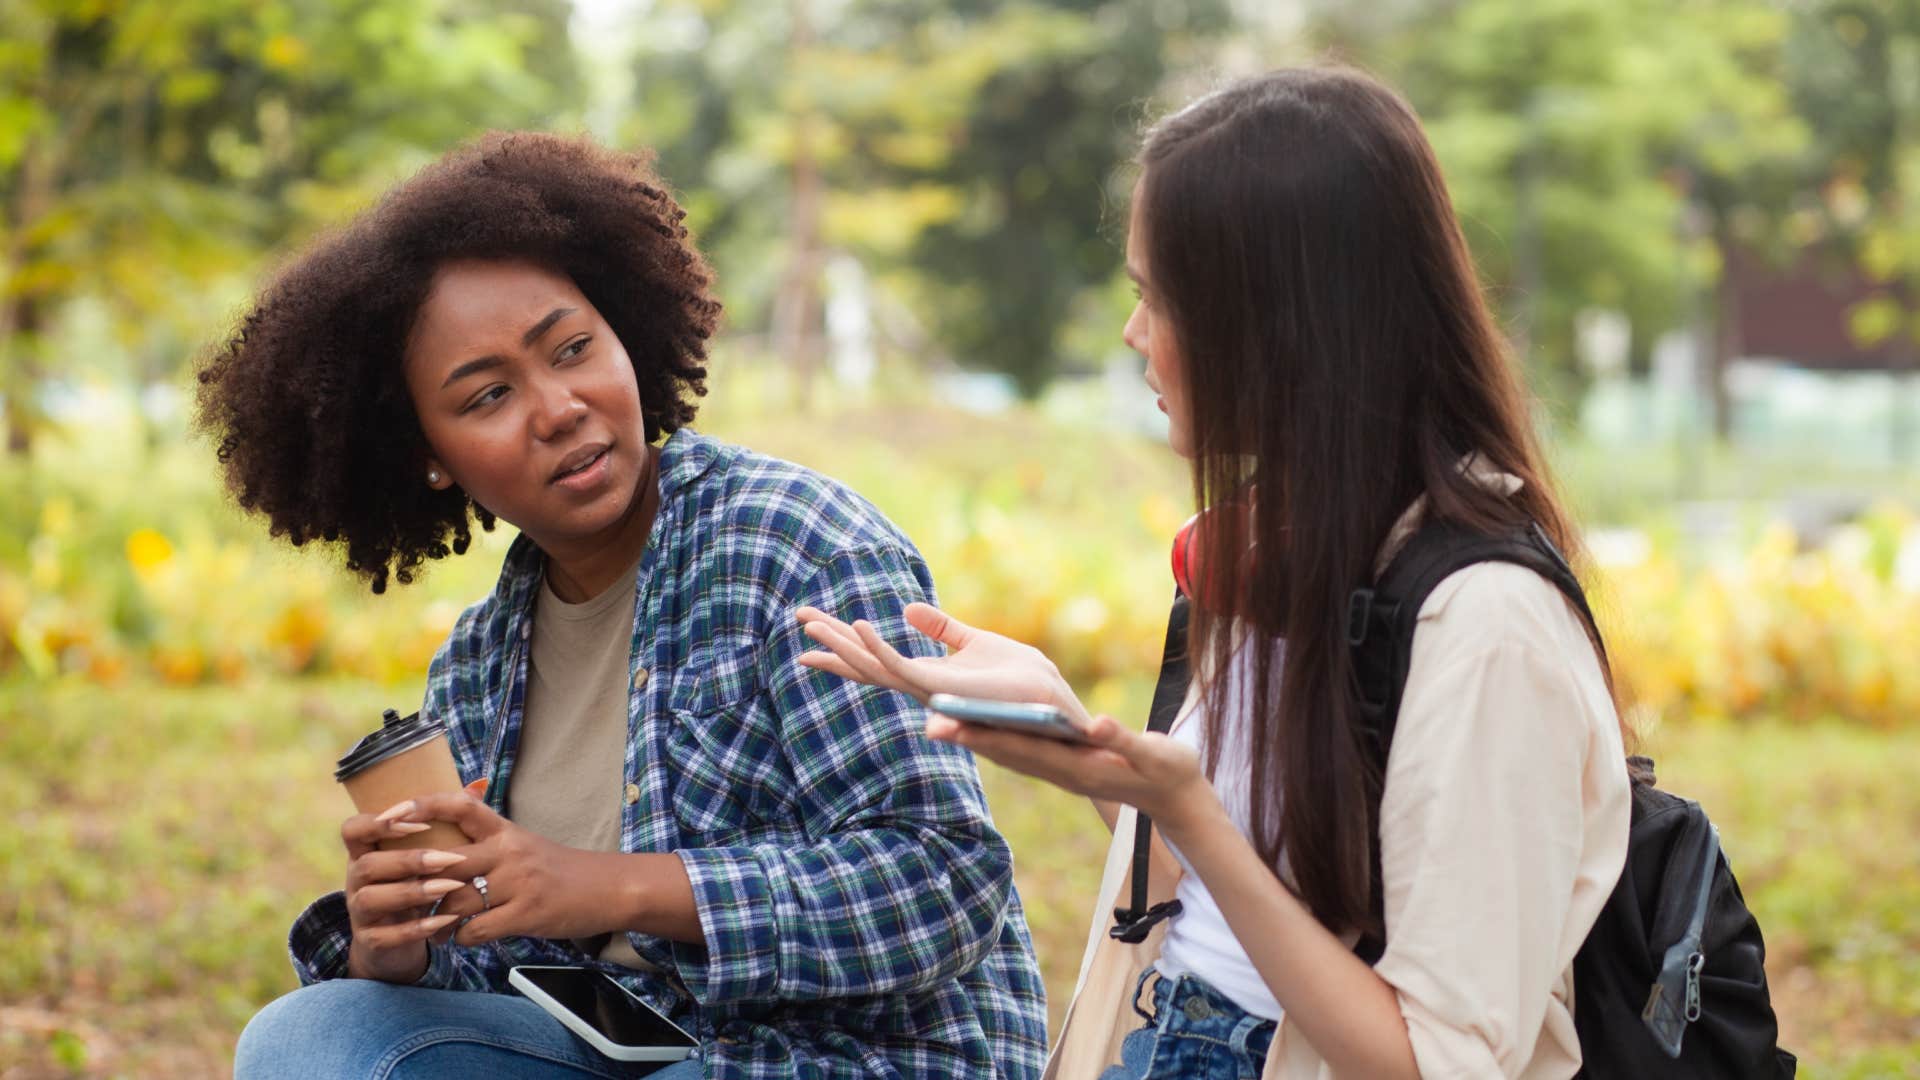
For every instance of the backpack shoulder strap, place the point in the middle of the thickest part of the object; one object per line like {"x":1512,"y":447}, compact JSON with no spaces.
{"x":1381,"y":620}
{"x":1132,"y":923}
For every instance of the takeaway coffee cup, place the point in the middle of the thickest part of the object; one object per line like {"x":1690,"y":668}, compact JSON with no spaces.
{"x":408,"y":757}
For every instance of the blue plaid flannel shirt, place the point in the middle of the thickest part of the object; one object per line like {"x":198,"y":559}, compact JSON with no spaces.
{"x":857,"y":901}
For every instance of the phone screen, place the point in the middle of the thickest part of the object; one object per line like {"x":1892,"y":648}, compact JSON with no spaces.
{"x":597,"y":999}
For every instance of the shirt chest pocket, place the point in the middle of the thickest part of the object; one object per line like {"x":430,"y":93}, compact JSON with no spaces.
{"x":730,"y":776}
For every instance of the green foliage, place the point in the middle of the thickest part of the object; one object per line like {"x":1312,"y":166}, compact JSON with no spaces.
{"x":1050,"y":532}
{"x":967,"y":152}
{"x":108,"y":571}
{"x":1862,"y":64}
{"x":155,"y":148}
{"x":147,"y":896}
{"x":970,"y":156}
{"x":1573,"y":134}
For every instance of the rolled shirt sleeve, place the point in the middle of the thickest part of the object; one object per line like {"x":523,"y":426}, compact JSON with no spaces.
{"x":320,"y":939}
{"x":907,"y":884}
{"x":1503,"y":826}
{"x":323,"y":935}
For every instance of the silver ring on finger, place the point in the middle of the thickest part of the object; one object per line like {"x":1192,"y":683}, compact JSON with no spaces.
{"x":480,"y":886}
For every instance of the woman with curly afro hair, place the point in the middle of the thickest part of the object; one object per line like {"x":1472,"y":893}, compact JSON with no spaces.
{"x":777,"y":860}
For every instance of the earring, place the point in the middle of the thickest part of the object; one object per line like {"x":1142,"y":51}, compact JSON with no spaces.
{"x":433,"y":476}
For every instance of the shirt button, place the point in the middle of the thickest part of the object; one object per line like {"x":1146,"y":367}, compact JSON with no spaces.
{"x":633,"y":794}
{"x":640,"y":679}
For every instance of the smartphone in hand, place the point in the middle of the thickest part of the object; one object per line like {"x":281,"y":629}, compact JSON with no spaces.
{"x":1043,"y":720}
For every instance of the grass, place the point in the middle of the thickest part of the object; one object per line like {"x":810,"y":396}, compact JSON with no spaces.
{"x":160,"y":841}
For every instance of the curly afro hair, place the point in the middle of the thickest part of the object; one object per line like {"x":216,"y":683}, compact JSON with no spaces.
{"x":307,"y":399}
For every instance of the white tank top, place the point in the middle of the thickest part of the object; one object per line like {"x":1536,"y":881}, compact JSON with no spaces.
{"x":1198,"y":940}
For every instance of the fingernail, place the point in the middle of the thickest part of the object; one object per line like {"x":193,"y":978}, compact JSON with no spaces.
{"x":437,"y":922}
{"x":440,"y":860}
{"x":408,"y":828}
{"x":440,"y":886}
{"x":396,"y":810}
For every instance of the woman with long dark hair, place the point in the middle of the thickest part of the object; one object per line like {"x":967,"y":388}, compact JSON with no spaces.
{"x":1313,"y":326}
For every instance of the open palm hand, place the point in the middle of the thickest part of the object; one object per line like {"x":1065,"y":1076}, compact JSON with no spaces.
{"x":979,"y":663}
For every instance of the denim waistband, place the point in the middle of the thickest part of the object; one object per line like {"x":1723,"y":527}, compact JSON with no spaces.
{"x":1190,"y":1005}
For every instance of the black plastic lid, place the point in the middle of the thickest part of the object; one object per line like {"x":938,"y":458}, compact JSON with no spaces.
{"x":397,"y":735}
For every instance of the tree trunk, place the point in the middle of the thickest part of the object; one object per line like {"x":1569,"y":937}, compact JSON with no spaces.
{"x":1639,"y":350}
{"x":20,"y":331}
{"x":1900,"y":368}
{"x":21,"y":314}
{"x":796,"y":306}
{"x":1726,"y":336}
{"x":1529,"y":273}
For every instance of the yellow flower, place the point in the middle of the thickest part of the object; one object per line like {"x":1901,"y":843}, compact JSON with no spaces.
{"x":147,"y":550}
{"x":285,"y":52}
{"x":179,"y":666}
{"x":56,"y":517}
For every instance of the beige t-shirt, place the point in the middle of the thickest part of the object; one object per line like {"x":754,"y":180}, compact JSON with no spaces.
{"x":567,"y":781}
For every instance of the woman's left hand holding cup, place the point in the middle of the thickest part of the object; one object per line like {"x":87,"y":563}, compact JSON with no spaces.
{"x":533,"y":886}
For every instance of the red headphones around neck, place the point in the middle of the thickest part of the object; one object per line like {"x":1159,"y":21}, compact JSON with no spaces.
{"x":1195,"y":539}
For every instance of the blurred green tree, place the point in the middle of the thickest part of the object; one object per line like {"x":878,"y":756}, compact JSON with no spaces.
{"x":1601,"y":153}
{"x":963,"y":152}
{"x":150,"y":149}
{"x":1857,"y":62}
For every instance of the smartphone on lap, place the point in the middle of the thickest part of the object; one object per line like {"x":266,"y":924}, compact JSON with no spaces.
{"x":1043,"y":720}
{"x":604,"y":1013}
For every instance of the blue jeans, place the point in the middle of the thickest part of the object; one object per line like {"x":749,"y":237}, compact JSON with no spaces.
{"x":1194,"y":1033}
{"x":369,"y":1030}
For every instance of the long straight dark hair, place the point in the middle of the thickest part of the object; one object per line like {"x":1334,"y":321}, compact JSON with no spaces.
{"x":1341,"y":360}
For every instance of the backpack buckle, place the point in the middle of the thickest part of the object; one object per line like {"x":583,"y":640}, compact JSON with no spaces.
{"x":1359,"y":612}
{"x":1133,"y":927}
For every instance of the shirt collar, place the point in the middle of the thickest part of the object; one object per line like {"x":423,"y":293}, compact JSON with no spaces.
{"x":1473,"y":466}
{"x":685,"y":457}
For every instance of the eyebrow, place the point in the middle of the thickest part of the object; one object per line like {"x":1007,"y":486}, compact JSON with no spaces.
{"x":493,"y":360}
{"x":533,"y":333}
{"x":471,"y":367}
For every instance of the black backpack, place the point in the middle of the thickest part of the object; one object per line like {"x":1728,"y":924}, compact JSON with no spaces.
{"x":1670,"y":981}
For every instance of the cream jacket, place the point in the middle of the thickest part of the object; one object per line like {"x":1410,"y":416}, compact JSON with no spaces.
{"x":1503,"y":827}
